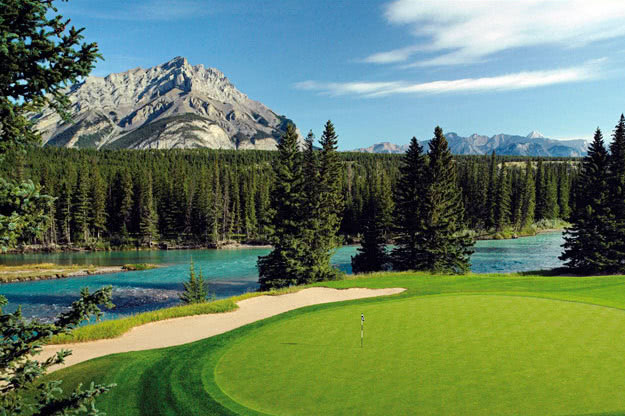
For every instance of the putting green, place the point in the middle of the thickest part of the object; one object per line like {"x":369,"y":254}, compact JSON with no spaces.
{"x":459,"y":354}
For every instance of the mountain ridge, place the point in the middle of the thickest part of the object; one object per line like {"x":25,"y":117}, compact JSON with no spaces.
{"x":534,"y":144}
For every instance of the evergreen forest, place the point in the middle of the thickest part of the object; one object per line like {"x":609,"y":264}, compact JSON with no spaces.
{"x":205,"y":198}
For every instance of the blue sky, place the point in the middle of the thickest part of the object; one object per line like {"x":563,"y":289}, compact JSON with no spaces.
{"x":388,"y":70}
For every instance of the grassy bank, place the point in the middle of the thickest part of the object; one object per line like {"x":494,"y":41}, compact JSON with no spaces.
{"x":117,"y":327}
{"x":507,"y":233}
{"x":46,"y":271}
{"x":475,"y":344}
{"x":41,"y":271}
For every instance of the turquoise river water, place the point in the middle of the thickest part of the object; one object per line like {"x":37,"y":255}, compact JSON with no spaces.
{"x":230,"y":272}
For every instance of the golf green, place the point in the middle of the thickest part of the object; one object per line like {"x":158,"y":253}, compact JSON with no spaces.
{"x":449,"y":354}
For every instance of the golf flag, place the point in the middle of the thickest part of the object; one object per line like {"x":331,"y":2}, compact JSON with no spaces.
{"x":362,"y":328}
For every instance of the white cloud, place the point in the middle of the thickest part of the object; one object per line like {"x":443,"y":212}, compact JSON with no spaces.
{"x":397,"y":55}
{"x":468,"y":31}
{"x":508,"y":82}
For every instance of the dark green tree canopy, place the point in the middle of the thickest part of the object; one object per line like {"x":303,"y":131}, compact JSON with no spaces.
{"x":40,"y":54}
{"x":588,"y":242}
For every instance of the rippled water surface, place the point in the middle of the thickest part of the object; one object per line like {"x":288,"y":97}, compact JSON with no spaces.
{"x":230,"y":272}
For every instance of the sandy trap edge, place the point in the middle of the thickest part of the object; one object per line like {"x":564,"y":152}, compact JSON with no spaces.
{"x":187,"y":329}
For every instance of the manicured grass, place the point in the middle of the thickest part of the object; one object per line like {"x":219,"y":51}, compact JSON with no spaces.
{"x":467,"y":354}
{"x":492,"y":344}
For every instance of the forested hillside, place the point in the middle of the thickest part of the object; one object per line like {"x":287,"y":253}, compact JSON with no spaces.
{"x":204,"y":197}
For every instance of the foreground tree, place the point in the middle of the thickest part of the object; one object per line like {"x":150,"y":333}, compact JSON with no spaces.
{"x":586,"y":241}
{"x":21,"y":340}
{"x":39,"y":55}
{"x":410,"y":221}
{"x":283,"y":265}
{"x":195,"y":289}
{"x":329,"y":208}
{"x":446,"y":247}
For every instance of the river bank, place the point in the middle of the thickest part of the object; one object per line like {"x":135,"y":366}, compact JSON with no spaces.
{"x":233,"y":245}
{"x":49,"y":271}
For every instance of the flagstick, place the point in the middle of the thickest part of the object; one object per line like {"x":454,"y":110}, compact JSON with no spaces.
{"x":362,"y":328}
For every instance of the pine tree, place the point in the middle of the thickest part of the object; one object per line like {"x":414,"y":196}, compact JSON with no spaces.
{"x":282,"y":266}
{"x":314,"y":249}
{"x":81,"y":206}
{"x":147,"y":215}
{"x":125,"y":203}
{"x":491,"y":196}
{"x":616,"y":181}
{"x":551,"y":197}
{"x":216,"y":225}
{"x":409,"y":210}
{"x":195,"y":289}
{"x":98,"y":204}
{"x":331,"y":205}
{"x":540,"y":187}
{"x":528,"y":199}
{"x":64,"y":212}
{"x":588,"y":240}
{"x":563,"y":192}
{"x":502,"y":199}
{"x":447,"y":248}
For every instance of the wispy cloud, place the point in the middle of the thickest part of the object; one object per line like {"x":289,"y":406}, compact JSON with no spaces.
{"x":152,"y":10}
{"x":508,"y":82}
{"x":461,"y":31}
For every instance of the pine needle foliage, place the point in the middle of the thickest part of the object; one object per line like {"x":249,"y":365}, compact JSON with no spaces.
{"x":447,"y":247}
{"x":195,"y":289}
{"x":587,"y":242}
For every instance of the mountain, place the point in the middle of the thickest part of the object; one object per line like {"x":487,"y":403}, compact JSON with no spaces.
{"x":173,"y":105}
{"x":384,"y":147}
{"x":534,"y":144}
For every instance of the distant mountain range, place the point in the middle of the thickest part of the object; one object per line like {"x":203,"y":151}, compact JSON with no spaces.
{"x":534,"y":144}
{"x":172,"y":105}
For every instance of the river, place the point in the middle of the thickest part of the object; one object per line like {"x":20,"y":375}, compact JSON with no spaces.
{"x":230,"y":272}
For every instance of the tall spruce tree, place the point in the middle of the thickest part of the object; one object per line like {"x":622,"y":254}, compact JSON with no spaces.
{"x":616,"y":181}
{"x":410,"y":220}
{"x":502,"y":205}
{"x":491,"y":195}
{"x":331,"y":204}
{"x":98,"y":204}
{"x":587,"y":241}
{"x":283,"y":265}
{"x":81,"y":206}
{"x":314,"y":249}
{"x":446,"y":246}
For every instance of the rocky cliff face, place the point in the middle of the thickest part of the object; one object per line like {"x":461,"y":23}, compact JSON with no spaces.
{"x":173,"y":105}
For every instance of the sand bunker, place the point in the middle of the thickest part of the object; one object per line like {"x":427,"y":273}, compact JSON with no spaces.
{"x":193,"y":328}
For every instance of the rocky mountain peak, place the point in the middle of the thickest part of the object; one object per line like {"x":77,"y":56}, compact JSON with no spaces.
{"x":535,"y":135}
{"x":174,"y":104}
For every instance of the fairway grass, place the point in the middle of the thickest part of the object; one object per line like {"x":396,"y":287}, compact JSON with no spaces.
{"x":490,"y":344}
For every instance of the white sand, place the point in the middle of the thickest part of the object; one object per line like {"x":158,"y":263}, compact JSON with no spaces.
{"x":193,"y":328}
